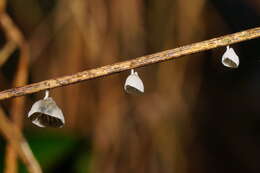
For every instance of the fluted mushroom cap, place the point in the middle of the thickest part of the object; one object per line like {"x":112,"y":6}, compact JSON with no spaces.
{"x":46,"y":113}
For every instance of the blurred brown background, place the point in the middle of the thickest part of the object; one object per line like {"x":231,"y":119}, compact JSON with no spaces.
{"x":195,"y":114}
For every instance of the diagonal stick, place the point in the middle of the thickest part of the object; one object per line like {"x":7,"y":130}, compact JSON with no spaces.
{"x":130,"y":64}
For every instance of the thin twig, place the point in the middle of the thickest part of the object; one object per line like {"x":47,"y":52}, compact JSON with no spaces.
{"x":130,"y":64}
{"x":15,"y":137}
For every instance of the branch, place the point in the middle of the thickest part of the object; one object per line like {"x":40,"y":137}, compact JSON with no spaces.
{"x":130,"y":64}
{"x":16,"y":139}
{"x":15,"y":38}
{"x":11,"y":45}
{"x":11,"y":131}
{"x":6,"y":51}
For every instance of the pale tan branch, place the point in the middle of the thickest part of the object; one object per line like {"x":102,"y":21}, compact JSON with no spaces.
{"x":15,"y":137}
{"x":15,"y":38}
{"x":7,"y":26}
{"x":134,"y":63}
{"x":10,"y":29}
{"x":6,"y":51}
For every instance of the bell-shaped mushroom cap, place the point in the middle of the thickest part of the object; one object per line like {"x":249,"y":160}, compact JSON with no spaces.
{"x":230,"y":58}
{"x":46,"y":113}
{"x":133,"y":84}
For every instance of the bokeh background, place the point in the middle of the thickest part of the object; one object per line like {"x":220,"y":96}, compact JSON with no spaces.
{"x":195,"y":115}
